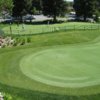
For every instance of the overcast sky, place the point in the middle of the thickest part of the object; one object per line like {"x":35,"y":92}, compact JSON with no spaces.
{"x":69,"y":0}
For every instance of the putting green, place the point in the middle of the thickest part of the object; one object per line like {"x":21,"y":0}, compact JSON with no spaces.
{"x":73,"y":66}
{"x":62,"y":63}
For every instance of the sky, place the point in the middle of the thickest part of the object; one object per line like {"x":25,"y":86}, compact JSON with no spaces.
{"x":69,"y":0}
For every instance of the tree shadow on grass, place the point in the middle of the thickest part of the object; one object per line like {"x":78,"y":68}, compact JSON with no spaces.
{"x":25,"y":94}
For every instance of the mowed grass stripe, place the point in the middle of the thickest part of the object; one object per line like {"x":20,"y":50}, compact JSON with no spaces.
{"x":69,"y":67}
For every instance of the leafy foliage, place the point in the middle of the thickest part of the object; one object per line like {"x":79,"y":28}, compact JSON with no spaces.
{"x":6,"y":5}
{"x":21,"y":7}
{"x":85,"y":8}
{"x":54,"y":8}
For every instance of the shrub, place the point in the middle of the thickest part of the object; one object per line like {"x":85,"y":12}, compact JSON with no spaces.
{"x":7,"y":97}
{"x":28,"y":39}
{"x":22,"y":41}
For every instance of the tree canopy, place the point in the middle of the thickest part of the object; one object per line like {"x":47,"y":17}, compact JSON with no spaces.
{"x":54,"y":8}
{"x":21,"y":7}
{"x":85,"y":8}
{"x":6,"y":5}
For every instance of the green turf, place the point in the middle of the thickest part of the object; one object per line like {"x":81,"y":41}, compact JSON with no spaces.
{"x":64,"y":66}
{"x":83,"y":48}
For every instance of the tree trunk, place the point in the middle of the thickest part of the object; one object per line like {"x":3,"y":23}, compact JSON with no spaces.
{"x":31,"y":19}
{"x":21,"y":17}
{"x":85,"y":18}
{"x":54,"y":18}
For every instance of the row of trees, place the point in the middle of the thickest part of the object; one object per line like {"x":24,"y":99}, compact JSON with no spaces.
{"x":87,"y":8}
{"x":54,"y":8}
{"x":18,"y":8}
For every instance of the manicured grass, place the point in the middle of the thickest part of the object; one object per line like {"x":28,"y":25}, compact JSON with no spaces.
{"x":70,"y":67}
{"x":84,"y":46}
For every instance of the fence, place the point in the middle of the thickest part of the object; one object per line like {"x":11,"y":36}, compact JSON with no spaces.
{"x":49,"y":29}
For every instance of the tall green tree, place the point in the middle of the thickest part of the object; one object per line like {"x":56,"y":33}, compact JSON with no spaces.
{"x":37,"y":4}
{"x":54,"y":8}
{"x":6,"y":5}
{"x":85,"y":8}
{"x":98,"y":5}
{"x":21,"y":7}
{"x":97,"y":12}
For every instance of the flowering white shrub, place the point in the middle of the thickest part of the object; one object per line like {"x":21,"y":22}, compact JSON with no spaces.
{"x":7,"y":41}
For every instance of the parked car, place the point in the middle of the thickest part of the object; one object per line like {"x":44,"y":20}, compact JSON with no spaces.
{"x":9,"y":19}
{"x":28,"y":17}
